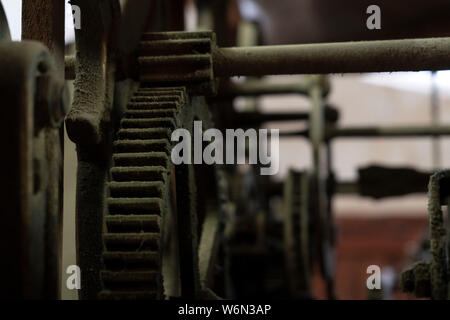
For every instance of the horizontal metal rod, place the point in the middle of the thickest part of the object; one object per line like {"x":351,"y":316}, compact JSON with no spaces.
{"x":339,"y":57}
{"x":257,"y":118}
{"x":388,"y":132}
{"x":258,"y":88}
{"x":350,"y":188}
{"x":377,"y":132}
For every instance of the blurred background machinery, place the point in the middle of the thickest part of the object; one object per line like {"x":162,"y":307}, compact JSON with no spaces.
{"x":141,"y":227}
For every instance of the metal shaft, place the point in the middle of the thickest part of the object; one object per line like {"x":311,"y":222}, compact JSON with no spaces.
{"x":389,"y":132}
{"x":257,"y":87}
{"x":344,"y":57}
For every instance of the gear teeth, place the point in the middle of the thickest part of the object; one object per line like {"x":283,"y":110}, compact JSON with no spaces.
{"x":156,"y":145}
{"x":136,"y":189}
{"x":150,"y":173}
{"x":131,"y":260}
{"x":131,"y":241}
{"x":143,"y":134}
{"x":148,"y":123}
{"x":144,"y":103}
{"x":135,"y":205}
{"x":174,"y":46}
{"x":141,"y":159}
{"x":151,"y":114}
{"x":137,"y":196}
{"x":133,"y":223}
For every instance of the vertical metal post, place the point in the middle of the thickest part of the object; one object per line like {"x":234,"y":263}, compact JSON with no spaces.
{"x":43,"y":20}
{"x":319,"y":183}
{"x":436,"y":148}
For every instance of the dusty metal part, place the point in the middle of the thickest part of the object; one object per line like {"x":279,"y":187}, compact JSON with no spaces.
{"x":151,"y":201}
{"x":364,"y":56}
{"x":53,"y":95}
{"x":29,"y":193}
{"x":139,"y":200}
{"x":342,"y":57}
{"x":417,"y":280}
{"x":95,"y":68}
{"x":296,"y":222}
{"x":89,"y":125}
{"x":438,"y":265}
{"x":430,"y":279}
{"x":178,"y":58}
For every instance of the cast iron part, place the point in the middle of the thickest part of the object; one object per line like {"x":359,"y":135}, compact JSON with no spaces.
{"x":430,"y":278}
{"x":28,"y":198}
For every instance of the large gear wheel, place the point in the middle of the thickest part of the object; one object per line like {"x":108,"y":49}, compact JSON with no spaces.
{"x":144,"y":239}
{"x":138,"y":222}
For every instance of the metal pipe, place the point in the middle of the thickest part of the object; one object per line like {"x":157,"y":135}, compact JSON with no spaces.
{"x":388,"y":132}
{"x":257,"y":118}
{"x":257,"y":88}
{"x":339,"y":57}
